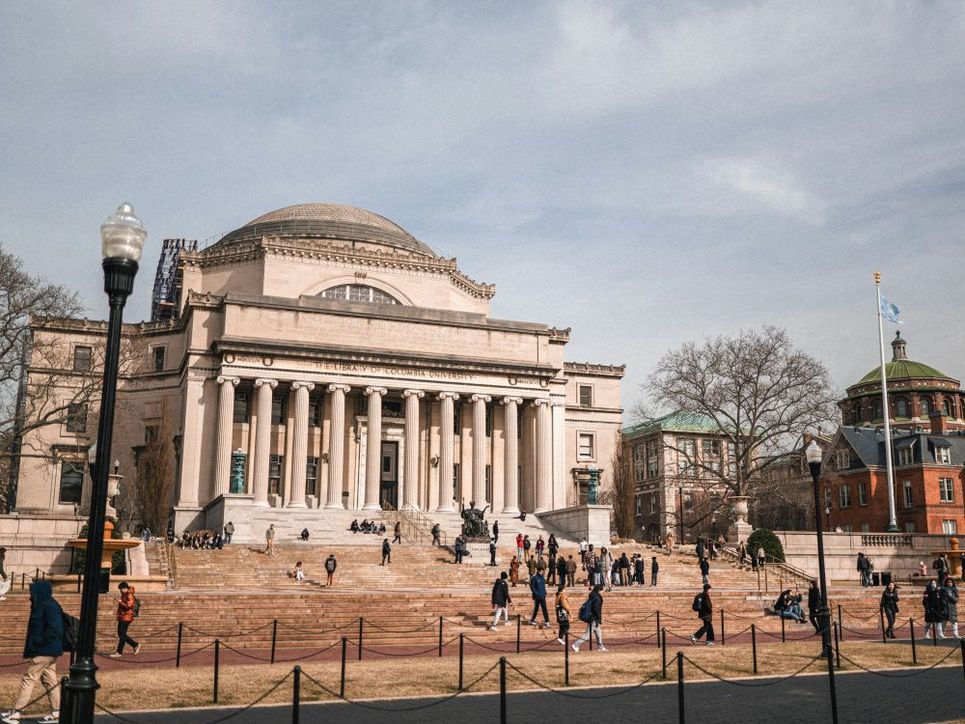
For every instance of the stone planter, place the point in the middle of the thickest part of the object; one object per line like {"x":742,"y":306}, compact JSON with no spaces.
{"x":740,"y":529}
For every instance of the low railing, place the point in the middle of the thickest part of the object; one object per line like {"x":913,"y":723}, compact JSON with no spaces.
{"x":785,"y":570}
{"x":419,"y":526}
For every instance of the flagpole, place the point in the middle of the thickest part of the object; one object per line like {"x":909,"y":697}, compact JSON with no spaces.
{"x":892,"y":519}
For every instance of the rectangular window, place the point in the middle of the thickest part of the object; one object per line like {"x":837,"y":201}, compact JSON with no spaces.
{"x":158,"y":359}
{"x":584,"y":448}
{"x":843,"y":459}
{"x":943,"y":455}
{"x":946,"y":490}
{"x":688,"y":501}
{"x":862,"y":493}
{"x":586,"y":395}
{"x":241,"y":407}
{"x":489,"y":424}
{"x":82,"y":359}
{"x":906,"y":487}
{"x":77,"y":417}
{"x":905,"y":456}
{"x":909,"y":527}
{"x":732,"y":459}
{"x":686,"y":453}
{"x":275,"y":465}
{"x":949,"y":527}
{"x":71,"y":482}
{"x":315,"y":411}
{"x":653,"y":461}
{"x":638,"y":502}
{"x":311,"y":476}
{"x":844,"y":496}
{"x":827,"y":498}
{"x":150,"y":434}
{"x":653,"y":502}
{"x":710,"y":453}
{"x":278,"y":409}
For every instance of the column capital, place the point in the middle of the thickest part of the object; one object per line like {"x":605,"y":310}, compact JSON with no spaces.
{"x":339,"y":388}
{"x":227,"y":378}
{"x":376,"y":391}
{"x":448,"y":395}
{"x":413,"y":393}
{"x":511,"y":401}
{"x":264,"y":381}
{"x":539,"y":402}
{"x":481,"y":398}
{"x":307,"y":385}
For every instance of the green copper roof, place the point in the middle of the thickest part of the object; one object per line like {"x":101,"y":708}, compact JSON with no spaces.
{"x":679,"y":421}
{"x":903,"y":369}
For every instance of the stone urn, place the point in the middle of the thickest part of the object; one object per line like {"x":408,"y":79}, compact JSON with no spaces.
{"x":740,"y":528}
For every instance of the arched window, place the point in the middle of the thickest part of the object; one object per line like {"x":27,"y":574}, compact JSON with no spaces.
{"x":359,"y":293}
{"x":925,"y":406}
{"x":901,"y":407}
{"x":855,"y":415}
{"x":947,"y":407}
{"x":877,"y":410}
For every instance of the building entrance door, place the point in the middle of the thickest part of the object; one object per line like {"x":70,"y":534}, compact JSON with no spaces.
{"x":389,"y":478}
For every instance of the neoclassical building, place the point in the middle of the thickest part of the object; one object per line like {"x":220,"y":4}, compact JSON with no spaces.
{"x":349,"y":366}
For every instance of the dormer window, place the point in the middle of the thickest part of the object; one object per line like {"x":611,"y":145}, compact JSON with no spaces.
{"x":943,"y":455}
{"x":842,"y":459}
{"x":359,"y":293}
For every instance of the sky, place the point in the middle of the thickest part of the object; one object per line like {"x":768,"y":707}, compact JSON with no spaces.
{"x":645,"y":173}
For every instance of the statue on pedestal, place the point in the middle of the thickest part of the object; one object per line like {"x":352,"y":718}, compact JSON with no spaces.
{"x":474,"y":523}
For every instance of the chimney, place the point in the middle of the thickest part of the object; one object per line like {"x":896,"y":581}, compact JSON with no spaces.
{"x":937,"y":419}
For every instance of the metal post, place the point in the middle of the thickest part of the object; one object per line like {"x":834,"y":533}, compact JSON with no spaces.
{"x":360,"y":637}
{"x":881,"y":616}
{"x":961,"y":646}
{"x":721,"y":627}
{"x":502,"y":690}
{"x":296,"y":693}
{"x":824,"y":614}
{"x":566,"y":658}
{"x":518,"y":627}
{"x":440,"y":638}
{"x":460,"y":660}
{"x":177,"y":655}
{"x":663,"y":651}
{"x":840,"y":626}
{"x":754,"y":645}
{"x":274,"y":638}
{"x":783,"y":637}
{"x":341,"y":689}
{"x":837,"y":645}
{"x":914,"y":651}
{"x":217,"y":667}
{"x":658,"y":629}
{"x":934,"y":633}
{"x":680,"y":687}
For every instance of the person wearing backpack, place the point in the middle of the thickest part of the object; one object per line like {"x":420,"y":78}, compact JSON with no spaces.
{"x":127,"y":608}
{"x":563,"y":613}
{"x":500,"y":600}
{"x":591,"y":613}
{"x":704,"y":608}
{"x":330,"y":565}
{"x":44,"y":644}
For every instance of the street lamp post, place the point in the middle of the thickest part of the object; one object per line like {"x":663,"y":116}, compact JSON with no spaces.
{"x":122,"y":240}
{"x":813,"y":454}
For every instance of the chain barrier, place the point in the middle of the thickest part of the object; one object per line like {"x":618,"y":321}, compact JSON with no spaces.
{"x":633,"y":641}
{"x":576,"y":695}
{"x":152,"y":634}
{"x":750,"y":684}
{"x":431,"y":624}
{"x":862,"y":634}
{"x":406,"y":653}
{"x":509,"y":644}
{"x":351,"y":624}
{"x":899,"y":675}
{"x":184,"y":655}
{"x":228,"y":635}
{"x":860,"y":618}
{"x":311,"y":655}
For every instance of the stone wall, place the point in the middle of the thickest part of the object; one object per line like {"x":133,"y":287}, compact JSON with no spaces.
{"x":582,"y":521}
{"x":34,"y":542}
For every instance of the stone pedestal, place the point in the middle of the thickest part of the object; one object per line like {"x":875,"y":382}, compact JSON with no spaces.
{"x":582,"y":521}
{"x":740,"y":529}
{"x":478,"y":553}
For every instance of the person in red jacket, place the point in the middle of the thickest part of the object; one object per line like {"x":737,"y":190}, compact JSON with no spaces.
{"x":126,"y":606}
{"x":519,"y":547}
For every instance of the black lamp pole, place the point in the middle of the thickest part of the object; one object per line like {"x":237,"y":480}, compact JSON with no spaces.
{"x":81,"y":687}
{"x":824,"y":613}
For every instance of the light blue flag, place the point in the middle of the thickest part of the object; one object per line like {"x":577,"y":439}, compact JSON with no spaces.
{"x":890,"y":311}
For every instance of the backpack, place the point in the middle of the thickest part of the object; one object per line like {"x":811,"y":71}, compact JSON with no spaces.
{"x":137,"y":606}
{"x":561,"y":615}
{"x":585,"y":612}
{"x":698,"y":600}
{"x":71,"y":632}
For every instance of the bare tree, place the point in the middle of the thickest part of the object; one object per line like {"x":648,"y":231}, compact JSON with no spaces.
{"x":761,"y":396}
{"x":27,"y":304}
{"x":149,"y":498}
{"x":622,"y":496}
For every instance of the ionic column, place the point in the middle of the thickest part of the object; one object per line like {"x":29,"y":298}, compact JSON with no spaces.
{"x":373,"y":456}
{"x":411,"y":480}
{"x":336,"y":452}
{"x":446,"y":445}
{"x":263,"y":389}
{"x":300,"y":443}
{"x":544,"y":456}
{"x":511,"y":452}
{"x":222,"y":453}
{"x":559,"y":455}
{"x":479,"y":448}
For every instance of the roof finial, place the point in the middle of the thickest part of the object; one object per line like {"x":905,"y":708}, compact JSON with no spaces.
{"x":898,"y":348}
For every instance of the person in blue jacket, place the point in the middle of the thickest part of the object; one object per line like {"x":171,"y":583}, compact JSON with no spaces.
{"x":43,"y":646}
{"x":537,"y":586}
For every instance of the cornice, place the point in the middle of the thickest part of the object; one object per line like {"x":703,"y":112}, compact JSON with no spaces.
{"x":597,"y":370}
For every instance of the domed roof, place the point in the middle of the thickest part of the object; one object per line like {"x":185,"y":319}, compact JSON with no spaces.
{"x":902,"y":368}
{"x":328,"y":221}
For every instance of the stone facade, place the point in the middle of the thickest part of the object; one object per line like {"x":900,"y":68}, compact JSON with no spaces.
{"x":312,"y":331}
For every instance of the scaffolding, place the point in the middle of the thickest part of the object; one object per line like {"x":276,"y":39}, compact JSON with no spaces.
{"x":167,"y":280}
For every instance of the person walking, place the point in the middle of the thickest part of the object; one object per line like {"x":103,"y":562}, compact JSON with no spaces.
{"x":889,"y":604}
{"x":386,"y":552}
{"x":704,"y":608}
{"x":270,"y":540}
{"x":43,"y":646}
{"x":127,"y":609}
{"x":492,"y":551}
{"x":531,"y":566}
{"x":949,"y":594}
{"x":436,"y":532}
{"x":552,"y":546}
{"x":540,"y":547}
{"x":704,"y":570}
{"x":330,"y":565}
{"x":584,"y":547}
{"x":761,"y":556}
{"x":500,"y":600}
{"x":537,"y":587}
{"x":397,"y":532}
{"x":561,"y":571}
{"x":496,"y":531}
{"x":591,"y":613}
{"x":604,"y":566}
{"x":519,"y":547}
{"x":934,"y":610}
{"x":654,"y":570}
{"x":570,"y":571}
{"x":514,"y":571}
{"x":527,"y":545}
{"x":229,"y":530}
{"x":814,"y":604}
{"x":551,"y":570}
{"x":863,"y":570}
{"x":741,"y":555}
{"x":563,"y":614}
{"x":457,"y":549}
